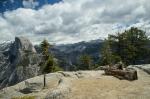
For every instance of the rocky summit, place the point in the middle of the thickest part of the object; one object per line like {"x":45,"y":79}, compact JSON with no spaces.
{"x":19,"y":62}
{"x":81,"y":85}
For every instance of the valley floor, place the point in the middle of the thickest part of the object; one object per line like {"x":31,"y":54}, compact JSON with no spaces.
{"x":82,"y":85}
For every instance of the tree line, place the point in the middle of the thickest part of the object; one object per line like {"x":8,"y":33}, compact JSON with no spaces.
{"x":131,"y":47}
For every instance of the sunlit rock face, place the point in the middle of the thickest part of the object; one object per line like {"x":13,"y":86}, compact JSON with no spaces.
{"x":22,"y":43}
{"x":19,"y":63}
{"x":20,"y":47}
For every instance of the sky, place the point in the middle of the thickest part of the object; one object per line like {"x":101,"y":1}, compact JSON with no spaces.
{"x":71,"y":21}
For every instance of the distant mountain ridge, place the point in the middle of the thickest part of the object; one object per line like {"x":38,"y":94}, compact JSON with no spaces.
{"x":70,"y":53}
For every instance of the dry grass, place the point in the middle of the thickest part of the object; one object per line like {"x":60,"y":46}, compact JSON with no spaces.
{"x":24,"y":97}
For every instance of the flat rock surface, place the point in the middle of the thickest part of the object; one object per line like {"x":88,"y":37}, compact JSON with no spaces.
{"x":108,"y":87}
{"x":84,"y":85}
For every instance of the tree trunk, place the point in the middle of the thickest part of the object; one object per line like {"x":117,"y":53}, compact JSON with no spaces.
{"x":44,"y":80}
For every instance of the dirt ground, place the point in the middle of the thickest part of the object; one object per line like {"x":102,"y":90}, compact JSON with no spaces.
{"x":108,"y":87}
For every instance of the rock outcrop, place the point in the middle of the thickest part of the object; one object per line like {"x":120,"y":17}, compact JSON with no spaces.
{"x":21,"y":62}
{"x":80,"y":85}
{"x":145,"y":67}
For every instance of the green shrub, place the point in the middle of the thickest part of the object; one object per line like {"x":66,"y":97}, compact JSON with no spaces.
{"x":57,"y":68}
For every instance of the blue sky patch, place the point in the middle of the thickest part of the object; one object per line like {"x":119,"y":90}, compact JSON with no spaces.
{"x":10,"y":5}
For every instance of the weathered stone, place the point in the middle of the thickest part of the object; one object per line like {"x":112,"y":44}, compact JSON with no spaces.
{"x":62,"y":91}
{"x":102,"y":67}
{"x":31,"y":87}
{"x":22,"y":63}
{"x":93,"y":85}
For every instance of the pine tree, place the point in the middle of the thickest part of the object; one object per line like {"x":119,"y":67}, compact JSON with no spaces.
{"x":45,"y":49}
{"x":106,"y":53}
{"x":129,"y":46}
{"x":107,"y":57}
{"x":48,"y":63}
{"x":48,"y":66}
{"x":85,"y":62}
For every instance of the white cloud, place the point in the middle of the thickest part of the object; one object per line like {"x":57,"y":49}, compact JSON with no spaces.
{"x":30,"y":3}
{"x":72,"y":21}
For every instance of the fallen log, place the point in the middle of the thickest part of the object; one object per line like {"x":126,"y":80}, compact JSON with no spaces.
{"x":128,"y":74}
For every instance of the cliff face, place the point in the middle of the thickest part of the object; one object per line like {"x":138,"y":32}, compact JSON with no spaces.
{"x":20,"y":61}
